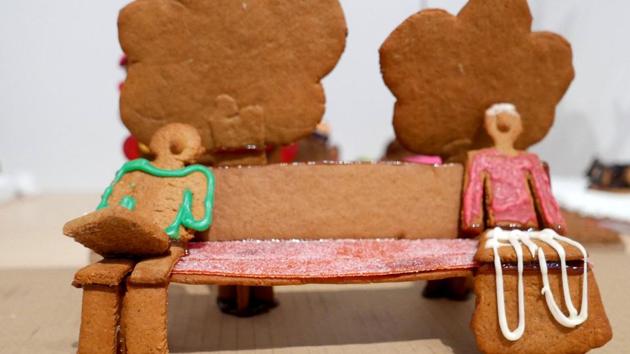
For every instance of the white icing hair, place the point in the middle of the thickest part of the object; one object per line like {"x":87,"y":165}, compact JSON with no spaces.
{"x":498,"y":108}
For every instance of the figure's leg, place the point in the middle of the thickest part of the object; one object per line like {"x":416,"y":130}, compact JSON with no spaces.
{"x":103,"y":286}
{"x":100,"y":314}
{"x":144,"y":315}
{"x":144,"y":319}
{"x":157,"y":270}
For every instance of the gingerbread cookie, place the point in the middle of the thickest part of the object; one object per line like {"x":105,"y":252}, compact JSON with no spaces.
{"x":510,"y":315}
{"x":151,"y":202}
{"x":243,"y":73}
{"x":505,"y":187}
{"x":541,"y":333}
{"x":446,"y":70}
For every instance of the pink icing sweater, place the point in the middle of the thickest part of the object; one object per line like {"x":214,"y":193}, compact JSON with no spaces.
{"x":517,"y":193}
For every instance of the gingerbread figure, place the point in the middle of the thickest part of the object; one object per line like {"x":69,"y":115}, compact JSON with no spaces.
{"x":507,"y":199}
{"x":150,"y":203}
{"x":515,"y":184}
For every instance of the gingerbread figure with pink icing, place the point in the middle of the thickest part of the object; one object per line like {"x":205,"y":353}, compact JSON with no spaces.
{"x":515,"y":183}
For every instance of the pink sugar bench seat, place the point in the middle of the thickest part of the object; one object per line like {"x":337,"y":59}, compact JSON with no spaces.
{"x":278,"y":262}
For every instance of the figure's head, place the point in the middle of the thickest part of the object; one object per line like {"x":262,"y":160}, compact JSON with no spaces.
{"x":175,"y":145}
{"x":503,"y":123}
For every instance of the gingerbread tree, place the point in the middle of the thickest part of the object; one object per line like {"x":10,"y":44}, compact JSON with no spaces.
{"x":446,"y":70}
{"x":243,"y":73}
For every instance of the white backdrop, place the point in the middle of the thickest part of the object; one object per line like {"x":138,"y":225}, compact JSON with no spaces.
{"x":59,"y":76}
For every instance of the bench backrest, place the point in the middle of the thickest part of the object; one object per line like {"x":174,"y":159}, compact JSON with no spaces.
{"x":321,"y":201}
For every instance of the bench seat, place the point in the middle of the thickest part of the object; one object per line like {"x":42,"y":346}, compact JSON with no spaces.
{"x":290,"y":262}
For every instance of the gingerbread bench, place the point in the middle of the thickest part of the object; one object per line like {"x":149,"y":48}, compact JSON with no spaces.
{"x":213,"y":96}
{"x":373,"y":209}
{"x":355,"y":222}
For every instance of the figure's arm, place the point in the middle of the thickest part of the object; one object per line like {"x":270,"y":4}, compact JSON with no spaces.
{"x":546,"y":205}
{"x":473,"y":196}
{"x":195,"y":211}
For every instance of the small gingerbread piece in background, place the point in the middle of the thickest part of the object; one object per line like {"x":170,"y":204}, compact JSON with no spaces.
{"x":446,"y":70}
{"x":505,"y":187}
{"x":149,"y":203}
{"x":314,"y":148}
{"x":196,"y":62}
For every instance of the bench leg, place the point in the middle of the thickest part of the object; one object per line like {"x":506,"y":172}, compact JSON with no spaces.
{"x":457,"y":289}
{"x":144,"y":319}
{"x":100,"y":316}
{"x":264,"y":294}
{"x":242,"y":298}
{"x":245,"y":301}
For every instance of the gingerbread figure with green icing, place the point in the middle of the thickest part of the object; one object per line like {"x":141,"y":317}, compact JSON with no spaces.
{"x":150,"y":203}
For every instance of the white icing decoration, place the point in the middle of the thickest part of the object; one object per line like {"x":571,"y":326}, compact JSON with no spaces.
{"x":497,"y":108}
{"x":497,"y":238}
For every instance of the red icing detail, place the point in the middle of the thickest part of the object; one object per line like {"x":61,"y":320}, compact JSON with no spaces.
{"x":294,"y":259}
{"x":120,"y":85}
{"x":123,"y":61}
{"x":289,"y":153}
{"x":424,"y":159}
{"x":131,"y":148}
{"x":511,"y":202}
